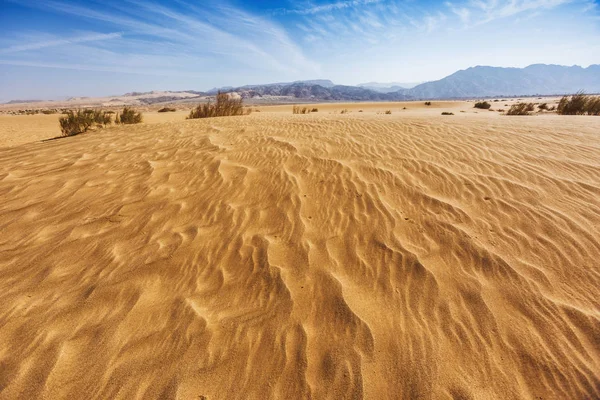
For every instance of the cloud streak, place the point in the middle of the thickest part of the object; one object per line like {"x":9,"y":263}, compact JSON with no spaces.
{"x":60,"y":42}
{"x":180,"y":32}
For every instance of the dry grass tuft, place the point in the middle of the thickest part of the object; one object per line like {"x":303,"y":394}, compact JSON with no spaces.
{"x":224,"y":106}
{"x":579,"y":104}
{"x":521,"y":109}
{"x":300,"y":110}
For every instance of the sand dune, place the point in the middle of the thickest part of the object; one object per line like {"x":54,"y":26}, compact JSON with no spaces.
{"x":318,"y":256}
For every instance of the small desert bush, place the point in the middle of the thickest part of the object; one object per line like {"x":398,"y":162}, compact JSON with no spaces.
{"x":167,"y":109}
{"x":521,"y":109}
{"x":48,"y":112}
{"x":543,"y":106}
{"x":579,"y":104}
{"x":128,"y":116}
{"x":447,"y":113}
{"x":314,"y":110}
{"x":483,"y":105}
{"x":76,"y":122}
{"x":300,"y":110}
{"x":344,"y":111}
{"x":427,"y":103}
{"x":388,"y":112}
{"x":224,"y":106}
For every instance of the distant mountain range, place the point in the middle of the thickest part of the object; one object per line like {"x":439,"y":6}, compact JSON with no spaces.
{"x":475,"y":82}
{"x":389,"y":86}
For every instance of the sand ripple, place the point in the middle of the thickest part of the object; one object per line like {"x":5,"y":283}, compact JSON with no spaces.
{"x":279,"y":256}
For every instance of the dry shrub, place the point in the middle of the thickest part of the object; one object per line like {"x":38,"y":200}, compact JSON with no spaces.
{"x":314,"y":110}
{"x":427,"y":103}
{"x":521,"y":109}
{"x":167,"y":109}
{"x":344,"y":111}
{"x":76,"y":122}
{"x":388,"y":112}
{"x":128,"y":116}
{"x":543,"y":106}
{"x":447,"y":113}
{"x":579,"y":104}
{"x":224,"y":106}
{"x":300,"y":110}
{"x":483,"y":105}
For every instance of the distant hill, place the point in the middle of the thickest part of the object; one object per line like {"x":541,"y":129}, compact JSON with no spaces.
{"x":23,"y":101}
{"x":475,"y":82}
{"x":389,"y":86}
{"x":538,"y":79}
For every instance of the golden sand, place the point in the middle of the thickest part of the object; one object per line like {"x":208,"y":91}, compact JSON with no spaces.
{"x":320,"y":256}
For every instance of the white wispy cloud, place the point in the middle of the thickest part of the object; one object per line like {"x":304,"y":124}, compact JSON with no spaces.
{"x":36,"y":45}
{"x":218,"y":32}
{"x":316,"y":9}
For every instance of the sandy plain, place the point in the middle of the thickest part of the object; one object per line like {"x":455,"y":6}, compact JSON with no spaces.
{"x":321,"y":256}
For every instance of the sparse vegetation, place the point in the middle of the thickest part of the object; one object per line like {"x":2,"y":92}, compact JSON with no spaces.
{"x":521,"y":109}
{"x":427,"y":103}
{"x":167,"y":109}
{"x":483,"y":105}
{"x":76,"y":122}
{"x":314,"y":110}
{"x":300,"y":110}
{"x":447,"y":113}
{"x":388,"y":112}
{"x":224,"y":106}
{"x":579,"y":104}
{"x":344,"y":111}
{"x":128,"y":116}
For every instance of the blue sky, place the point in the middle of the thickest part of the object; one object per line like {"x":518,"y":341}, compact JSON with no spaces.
{"x":59,"y":48}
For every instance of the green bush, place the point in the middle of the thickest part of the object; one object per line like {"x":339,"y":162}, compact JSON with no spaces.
{"x":224,"y":106}
{"x":521,"y":109}
{"x":128,"y":116}
{"x":483,"y":105}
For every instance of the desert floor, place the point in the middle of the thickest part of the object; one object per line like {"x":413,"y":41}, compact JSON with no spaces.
{"x":322,"y":256}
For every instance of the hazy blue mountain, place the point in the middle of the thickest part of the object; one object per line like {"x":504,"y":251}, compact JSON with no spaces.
{"x":495,"y":81}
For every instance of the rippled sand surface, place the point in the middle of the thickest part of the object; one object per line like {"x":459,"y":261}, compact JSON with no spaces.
{"x":324,"y":256}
